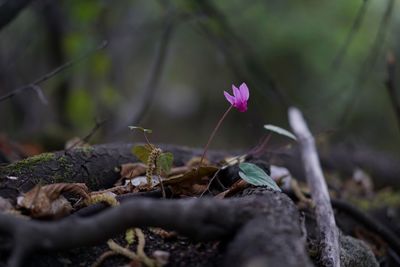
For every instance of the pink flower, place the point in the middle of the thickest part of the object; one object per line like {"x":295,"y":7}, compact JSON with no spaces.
{"x":239,"y":98}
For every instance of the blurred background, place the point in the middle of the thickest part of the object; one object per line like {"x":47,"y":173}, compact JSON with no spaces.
{"x":166,"y":64}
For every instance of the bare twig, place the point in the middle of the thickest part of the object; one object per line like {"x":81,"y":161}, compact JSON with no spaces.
{"x":355,"y":27}
{"x":328,"y":231}
{"x":35,"y":84}
{"x":369,"y":63}
{"x":156,"y":71}
{"x":236,"y":51}
{"x":152,"y":81}
{"x":391,"y":85}
{"x":86,"y":139}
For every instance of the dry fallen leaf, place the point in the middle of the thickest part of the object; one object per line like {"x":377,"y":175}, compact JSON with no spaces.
{"x":239,"y":185}
{"x":47,"y":201}
{"x":195,"y":174}
{"x":163,"y":233}
{"x":132,"y":170}
{"x":191,"y":183}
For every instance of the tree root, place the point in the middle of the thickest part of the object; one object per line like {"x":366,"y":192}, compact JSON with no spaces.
{"x":200,"y":219}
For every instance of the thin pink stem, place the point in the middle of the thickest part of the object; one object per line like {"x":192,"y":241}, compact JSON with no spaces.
{"x":213,"y":134}
{"x":261,"y":147}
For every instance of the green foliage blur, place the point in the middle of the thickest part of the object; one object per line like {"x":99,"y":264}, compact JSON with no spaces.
{"x":286,"y":51}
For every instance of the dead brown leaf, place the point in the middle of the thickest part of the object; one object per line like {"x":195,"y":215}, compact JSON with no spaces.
{"x":47,"y":201}
{"x":132,"y":170}
{"x":239,"y":185}
{"x":191,"y":183}
{"x":163,"y":233}
{"x":195,"y":174}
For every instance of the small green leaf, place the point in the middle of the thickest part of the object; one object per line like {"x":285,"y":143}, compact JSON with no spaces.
{"x":142,"y":153}
{"x":280,"y":131}
{"x":140,"y":128}
{"x":164,"y":161}
{"x":254,"y":175}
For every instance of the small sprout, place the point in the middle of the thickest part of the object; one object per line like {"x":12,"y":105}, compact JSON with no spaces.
{"x":280,"y":131}
{"x":140,"y":128}
{"x":157,"y":162}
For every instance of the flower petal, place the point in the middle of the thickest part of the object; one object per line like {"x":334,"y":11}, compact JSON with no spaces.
{"x":230,"y":98}
{"x":236,"y":93}
{"x":244,"y":91}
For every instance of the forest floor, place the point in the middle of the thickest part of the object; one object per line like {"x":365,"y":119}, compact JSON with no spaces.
{"x":221,"y":219}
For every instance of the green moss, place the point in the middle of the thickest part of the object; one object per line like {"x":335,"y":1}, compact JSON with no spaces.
{"x":87,"y":150}
{"x":29,"y":163}
{"x":66,"y":171}
{"x":384,"y":197}
{"x":45,"y":157}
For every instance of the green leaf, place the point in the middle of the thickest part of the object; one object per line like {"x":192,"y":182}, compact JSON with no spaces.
{"x":280,"y":131}
{"x":142,"y":153}
{"x":164,"y":161}
{"x":140,"y":128}
{"x":254,"y":175}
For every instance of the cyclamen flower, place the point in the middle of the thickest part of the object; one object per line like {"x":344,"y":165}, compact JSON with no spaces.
{"x":239,"y":98}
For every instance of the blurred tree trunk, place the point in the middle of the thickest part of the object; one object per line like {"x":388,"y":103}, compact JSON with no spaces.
{"x":54,"y":20}
{"x":9,"y":10}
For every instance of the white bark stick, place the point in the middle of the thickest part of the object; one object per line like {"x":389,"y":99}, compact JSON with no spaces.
{"x":329,"y":234}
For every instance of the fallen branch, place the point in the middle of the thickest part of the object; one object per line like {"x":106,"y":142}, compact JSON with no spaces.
{"x":328,"y":232}
{"x":95,"y":165}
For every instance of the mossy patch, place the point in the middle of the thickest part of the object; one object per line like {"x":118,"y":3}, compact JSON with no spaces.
{"x":65,"y":175}
{"x":87,"y":150}
{"x":29,"y":163}
{"x":385,"y":197}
